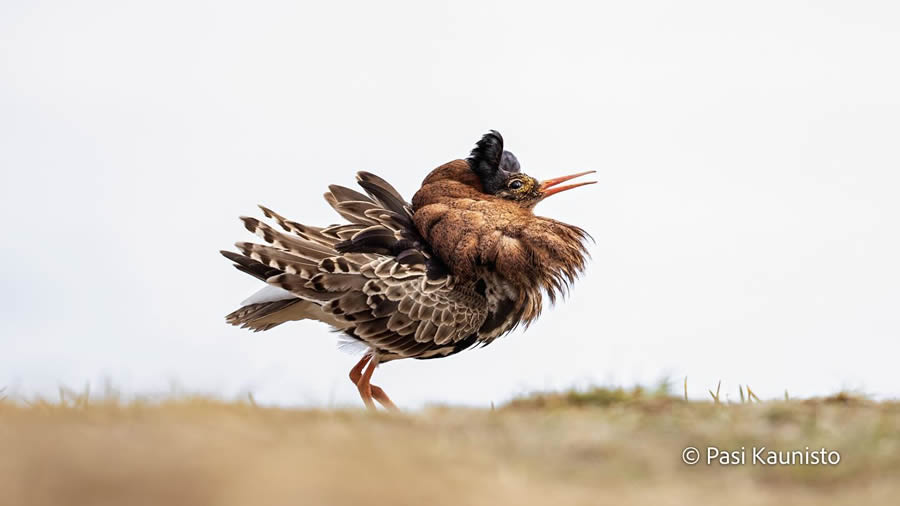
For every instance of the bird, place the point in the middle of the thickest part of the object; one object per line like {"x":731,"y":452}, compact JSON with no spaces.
{"x":465,"y":262}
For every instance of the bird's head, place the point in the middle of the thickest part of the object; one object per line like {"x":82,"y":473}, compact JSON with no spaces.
{"x":478,"y":213}
{"x":501,"y":175}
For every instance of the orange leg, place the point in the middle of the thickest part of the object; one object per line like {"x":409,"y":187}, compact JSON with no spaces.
{"x":367,"y":390}
{"x":356,"y":372}
{"x":383,"y":398}
{"x":356,"y":376}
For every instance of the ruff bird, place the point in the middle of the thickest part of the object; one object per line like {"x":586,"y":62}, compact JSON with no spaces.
{"x":463,"y":264}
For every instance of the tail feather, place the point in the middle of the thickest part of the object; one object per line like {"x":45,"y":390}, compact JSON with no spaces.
{"x":287,"y":242}
{"x":384,"y":193}
{"x":280,"y":260}
{"x":344,"y":194}
{"x":253,"y":315}
{"x":307,"y":232}
{"x":267,"y":315}
{"x":318,"y":266}
{"x":252,"y":267}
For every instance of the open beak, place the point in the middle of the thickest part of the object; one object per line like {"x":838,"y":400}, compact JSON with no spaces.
{"x":548,"y":187}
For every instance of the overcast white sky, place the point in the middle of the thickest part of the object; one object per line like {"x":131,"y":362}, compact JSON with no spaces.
{"x":746,"y":219}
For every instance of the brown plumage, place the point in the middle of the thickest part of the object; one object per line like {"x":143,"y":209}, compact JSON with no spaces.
{"x":465,"y":263}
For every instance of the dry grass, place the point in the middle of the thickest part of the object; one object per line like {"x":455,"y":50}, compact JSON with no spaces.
{"x":593,"y":447}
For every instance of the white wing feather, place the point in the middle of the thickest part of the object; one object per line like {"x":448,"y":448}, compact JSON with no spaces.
{"x":268,"y":293}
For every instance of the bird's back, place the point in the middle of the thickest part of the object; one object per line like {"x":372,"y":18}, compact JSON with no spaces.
{"x":374,"y":278}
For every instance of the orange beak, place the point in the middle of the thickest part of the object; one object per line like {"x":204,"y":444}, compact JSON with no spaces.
{"x":547,"y":184}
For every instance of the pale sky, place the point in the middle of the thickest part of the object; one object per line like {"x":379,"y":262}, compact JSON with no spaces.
{"x":746,"y":217}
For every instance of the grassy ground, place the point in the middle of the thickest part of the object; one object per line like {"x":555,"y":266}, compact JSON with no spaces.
{"x":597,"y":447}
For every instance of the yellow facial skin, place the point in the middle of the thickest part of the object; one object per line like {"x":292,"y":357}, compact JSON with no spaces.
{"x":521,"y":187}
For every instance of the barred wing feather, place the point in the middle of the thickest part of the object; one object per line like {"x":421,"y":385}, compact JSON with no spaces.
{"x":373,"y":278}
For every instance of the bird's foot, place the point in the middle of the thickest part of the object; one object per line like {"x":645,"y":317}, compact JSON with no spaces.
{"x":367,"y":391}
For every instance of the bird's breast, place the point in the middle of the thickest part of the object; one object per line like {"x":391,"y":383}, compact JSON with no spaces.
{"x":467,"y":234}
{"x":472,"y":233}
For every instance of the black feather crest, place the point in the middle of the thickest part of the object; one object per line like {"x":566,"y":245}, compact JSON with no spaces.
{"x":491,"y":163}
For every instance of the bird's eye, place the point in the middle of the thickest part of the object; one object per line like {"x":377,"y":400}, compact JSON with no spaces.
{"x":515,"y":184}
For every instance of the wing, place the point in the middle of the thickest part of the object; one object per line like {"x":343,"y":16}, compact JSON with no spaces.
{"x":373,"y":278}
